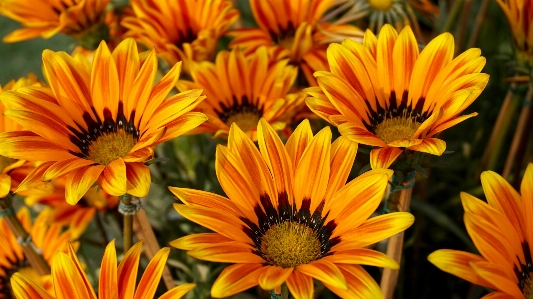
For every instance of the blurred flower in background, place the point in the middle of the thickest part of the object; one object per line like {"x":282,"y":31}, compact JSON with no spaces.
{"x":519,"y":14}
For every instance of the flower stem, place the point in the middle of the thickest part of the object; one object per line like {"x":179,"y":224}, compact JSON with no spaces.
{"x":398,"y":201}
{"x":281,"y":292}
{"x":127,"y":232}
{"x":521,"y":129}
{"x":32,"y":255}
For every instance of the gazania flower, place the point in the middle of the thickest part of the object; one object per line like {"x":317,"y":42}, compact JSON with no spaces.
{"x":46,"y":18}
{"x":398,"y":13}
{"x":78,"y":216}
{"x":47,"y":238}
{"x":12,"y":172}
{"x":502,"y":232}
{"x":290,"y":218}
{"x":98,"y":125}
{"x":115,"y":282}
{"x":519,"y":14}
{"x":242,"y":89}
{"x":386,"y":94}
{"x":292,"y":29}
{"x":190,"y":30}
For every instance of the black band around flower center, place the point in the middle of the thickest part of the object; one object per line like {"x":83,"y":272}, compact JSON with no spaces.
{"x":295,"y":220}
{"x":525,"y":273}
{"x":246,"y":114}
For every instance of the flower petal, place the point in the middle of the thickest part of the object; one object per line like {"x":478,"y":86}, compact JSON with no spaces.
{"x":273,"y":277}
{"x":325,"y":271}
{"x":178,"y":292}
{"x":152,"y":275}
{"x":300,"y":285}
{"x":457,"y":263}
{"x":432,"y":146}
{"x":108,"y":287}
{"x":79,"y":181}
{"x":127,"y":271}
{"x":113,"y":178}
{"x":384,"y":157}
{"x":138,"y":179}
{"x":235,"y":279}
{"x":25,"y":288}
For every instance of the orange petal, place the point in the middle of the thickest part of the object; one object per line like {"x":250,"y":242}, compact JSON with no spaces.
{"x":198,"y":241}
{"x":79,"y":181}
{"x":384,"y":157}
{"x":298,"y":141}
{"x":273,"y":277}
{"x":343,"y":153}
{"x":5,"y":185}
{"x":495,"y":275}
{"x":138,"y":179}
{"x":526,"y":189}
{"x":34,"y":178}
{"x":359,"y":134}
{"x":432,"y":146}
{"x":206,"y":199}
{"x":231,"y":252}
{"x":457,"y":263}
{"x":300,"y":285}
{"x":178,"y":292}
{"x":108,"y":287}
{"x":325,"y":271}
{"x":360,"y":284}
{"x":363,"y":256}
{"x":152,"y":275}
{"x":113,"y":178}
{"x":25,"y":288}
{"x":235,"y":279}
{"x":104,"y":83}
{"x":68,"y":281}
{"x":127,"y":271}
{"x":63,"y":167}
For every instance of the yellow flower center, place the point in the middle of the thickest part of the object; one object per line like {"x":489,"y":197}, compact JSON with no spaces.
{"x":5,"y":162}
{"x":246,"y":120}
{"x":528,"y":288}
{"x":383,"y":5}
{"x":290,"y":244}
{"x":396,"y":128}
{"x":111,"y":146}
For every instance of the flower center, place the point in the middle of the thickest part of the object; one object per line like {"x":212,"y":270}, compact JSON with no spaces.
{"x":246,"y":120}
{"x":5,"y":162}
{"x":396,"y":128}
{"x":383,"y":5}
{"x":528,"y":288}
{"x":290,"y":244}
{"x":111,"y":146}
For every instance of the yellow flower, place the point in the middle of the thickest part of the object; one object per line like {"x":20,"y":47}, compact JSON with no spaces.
{"x":180,"y":30}
{"x":46,"y":18}
{"x":291,"y":217}
{"x":386,"y":94}
{"x":100,"y":124}
{"x":242,"y":89}
{"x":502,"y":232}
{"x":47,"y":238}
{"x":78,"y":216}
{"x":12,"y":172}
{"x":292,"y":29}
{"x":519,"y":14}
{"x":115,"y":282}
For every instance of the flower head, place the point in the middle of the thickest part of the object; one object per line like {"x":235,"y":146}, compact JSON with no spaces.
{"x":292,"y":29}
{"x":46,"y":18}
{"x":519,"y":14}
{"x":115,"y":282}
{"x":242,"y":89}
{"x":289,"y":216}
{"x":502,"y":232}
{"x":98,"y":124}
{"x":46,"y":237}
{"x":190,"y":30}
{"x":387,"y":94}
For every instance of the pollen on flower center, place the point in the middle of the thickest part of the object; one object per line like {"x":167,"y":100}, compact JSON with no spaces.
{"x":528,"y":287}
{"x":246,"y":120}
{"x":396,"y":128}
{"x":111,"y":146}
{"x":290,"y":244}
{"x":383,"y":5}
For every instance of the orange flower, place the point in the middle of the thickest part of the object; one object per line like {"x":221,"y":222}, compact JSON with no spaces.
{"x":502,"y":232}
{"x":292,"y":29}
{"x":242,"y":89}
{"x":115,"y":282}
{"x":190,"y":30}
{"x":98,"y":125}
{"x":290,"y":217}
{"x":519,"y":14}
{"x":46,"y":237}
{"x":387,"y":94}
{"x":46,"y":18}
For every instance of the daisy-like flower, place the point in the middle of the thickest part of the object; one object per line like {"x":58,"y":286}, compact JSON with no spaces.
{"x":115,"y":282}
{"x":242,"y":89}
{"x":78,"y":216}
{"x":290,"y":217}
{"x":398,"y":13}
{"x":519,"y":14}
{"x":190,"y":30}
{"x":292,"y":29}
{"x":502,"y":232}
{"x":46,"y":18}
{"x":47,"y":238}
{"x":12,"y":171}
{"x":100,"y":124}
{"x":386,"y":94}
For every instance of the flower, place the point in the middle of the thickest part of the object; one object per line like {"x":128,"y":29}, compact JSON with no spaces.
{"x":502,"y":232}
{"x":46,"y":18}
{"x":12,"y":172}
{"x":46,"y":237}
{"x":398,"y":13}
{"x":78,"y":216}
{"x":292,"y":29}
{"x":190,"y":30}
{"x":290,"y":217}
{"x":98,"y":125}
{"x":519,"y":14}
{"x":385,"y":94}
{"x":243,"y":89}
{"x":115,"y":282}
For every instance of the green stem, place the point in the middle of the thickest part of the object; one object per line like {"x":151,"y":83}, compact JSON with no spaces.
{"x":452,"y":16}
{"x":127,"y":232}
